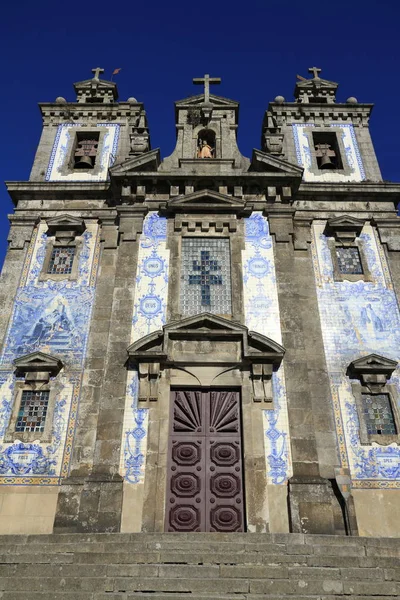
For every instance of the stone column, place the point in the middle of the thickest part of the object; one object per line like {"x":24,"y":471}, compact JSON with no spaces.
{"x":91,"y":498}
{"x":312,"y":503}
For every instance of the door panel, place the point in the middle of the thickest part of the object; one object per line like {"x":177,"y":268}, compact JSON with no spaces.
{"x":205,"y":473}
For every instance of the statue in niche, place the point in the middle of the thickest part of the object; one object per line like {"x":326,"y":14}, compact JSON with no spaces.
{"x":205,"y":150}
{"x":206,"y":143}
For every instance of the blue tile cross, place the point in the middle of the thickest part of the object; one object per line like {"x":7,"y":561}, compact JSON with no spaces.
{"x":204,"y":277}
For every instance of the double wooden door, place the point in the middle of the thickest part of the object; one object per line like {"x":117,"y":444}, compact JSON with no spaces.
{"x":205,"y":474}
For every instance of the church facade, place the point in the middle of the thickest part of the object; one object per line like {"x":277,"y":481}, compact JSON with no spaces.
{"x":204,"y":342}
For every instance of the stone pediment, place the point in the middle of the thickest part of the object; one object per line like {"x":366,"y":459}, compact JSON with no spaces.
{"x":372,"y":364}
{"x":149,"y":161}
{"x":205,"y":342}
{"x":344,"y":227}
{"x":205,"y":201}
{"x":318,"y":83}
{"x":206,"y":327}
{"x":98,"y":84}
{"x":267,"y":163}
{"x":38,"y":361}
{"x":198,"y":100}
{"x":65,"y":223}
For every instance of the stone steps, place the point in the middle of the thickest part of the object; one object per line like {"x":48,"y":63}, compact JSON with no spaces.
{"x":197,"y":566}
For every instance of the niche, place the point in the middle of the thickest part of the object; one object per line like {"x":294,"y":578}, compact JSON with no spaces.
{"x":206,"y":143}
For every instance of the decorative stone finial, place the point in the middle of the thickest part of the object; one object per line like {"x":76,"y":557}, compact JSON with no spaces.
{"x":61,"y":100}
{"x":351,"y":100}
{"x":279,"y":99}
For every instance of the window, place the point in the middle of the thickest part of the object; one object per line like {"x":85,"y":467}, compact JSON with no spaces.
{"x":32,"y":411}
{"x":327,"y":151}
{"x":63,"y":249}
{"x":376,"y":399}
{"x":378,"y":414}
{"x":61,"y":260}
{"x":349,"y":260}
{"x":34,"y":398}
{"x":86,"y":149}
{"x":205,"y":276}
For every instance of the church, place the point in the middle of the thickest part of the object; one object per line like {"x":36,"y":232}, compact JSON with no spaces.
{"x":204,"y":342}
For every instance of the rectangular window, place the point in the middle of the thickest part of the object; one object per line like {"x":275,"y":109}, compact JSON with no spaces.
{"x":378,"y":414}
{"x":206,"y":276}
{"x":349,"y":261}
{"x":32,"y":411}
{"x":61,"y":260}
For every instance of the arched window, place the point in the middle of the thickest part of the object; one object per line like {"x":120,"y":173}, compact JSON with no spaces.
{"x":206,"y":143}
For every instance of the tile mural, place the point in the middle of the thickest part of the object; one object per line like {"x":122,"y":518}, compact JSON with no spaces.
{"x":150,"y":305}
{"x":352,"y":153}
{"x":107,"y":154}
{"x":51,"y":317}
{"x":262,"y":315}
{"x":357,"y":319}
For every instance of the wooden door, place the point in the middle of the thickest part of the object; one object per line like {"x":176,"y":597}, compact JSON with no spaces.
{"x":205,"y":473}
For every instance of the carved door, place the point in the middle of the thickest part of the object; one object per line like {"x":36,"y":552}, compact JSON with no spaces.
{"x":205,"y":474}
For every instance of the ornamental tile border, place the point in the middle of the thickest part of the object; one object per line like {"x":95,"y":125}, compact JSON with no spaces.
{"x":262,"y":315}
{"x":107,"y":154}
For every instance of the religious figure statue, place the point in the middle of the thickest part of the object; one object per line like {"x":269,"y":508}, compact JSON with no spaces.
{"x":205,"y":150}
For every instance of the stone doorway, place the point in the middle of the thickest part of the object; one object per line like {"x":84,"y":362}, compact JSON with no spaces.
{"x":205,"y":468}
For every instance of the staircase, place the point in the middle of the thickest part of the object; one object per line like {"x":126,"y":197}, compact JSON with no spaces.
{"x":197,"y":566}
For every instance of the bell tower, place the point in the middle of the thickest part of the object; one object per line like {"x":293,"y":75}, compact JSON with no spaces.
{"x":329,"y":139}
{"x":206,"y":129}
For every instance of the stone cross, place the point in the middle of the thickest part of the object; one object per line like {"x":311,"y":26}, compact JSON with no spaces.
{"x":315,"y":71}
{"x":207,"y":80}
{"x":204,"y":278}
{"x":97,"y":72}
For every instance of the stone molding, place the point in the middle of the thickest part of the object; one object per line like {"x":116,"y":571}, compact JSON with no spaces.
{"x":201,"y":340}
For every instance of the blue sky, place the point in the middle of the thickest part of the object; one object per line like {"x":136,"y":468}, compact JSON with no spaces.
{"x":256,"y":47}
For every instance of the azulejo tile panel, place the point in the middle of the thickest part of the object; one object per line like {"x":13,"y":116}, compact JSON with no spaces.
{"x":357,"y":319}
{"x":262,"y":315}
{"x":352,"y":154}
{"x":150,"y":305}
{"x":107,"y":154}
{"x":51,"y":317}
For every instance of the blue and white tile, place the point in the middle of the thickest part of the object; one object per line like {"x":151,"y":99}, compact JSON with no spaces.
{"x":352,"y":154}
{"x":35,"y":460}
{"x":357,"y":319}
{"x":262,"y":315}
{"x":108,"y":152}
{"x":150,"y":305}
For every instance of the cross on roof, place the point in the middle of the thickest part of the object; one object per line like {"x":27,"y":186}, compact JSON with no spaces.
{"x":315,"y":71}
{"x":207,"y":80}
{"x":97,"y":72}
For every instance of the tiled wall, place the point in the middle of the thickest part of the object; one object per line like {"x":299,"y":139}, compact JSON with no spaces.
{"x":53,"y":317}
{"x":107,"y":154}
{"x":358,"y":318}
{"x":149,"y":315}
{"x":352,"y":155}
{"x":262,"y":315}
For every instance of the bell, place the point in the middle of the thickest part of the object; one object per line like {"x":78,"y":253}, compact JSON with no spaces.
{"x":85,"y":162}
{"x":326,"y":163}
